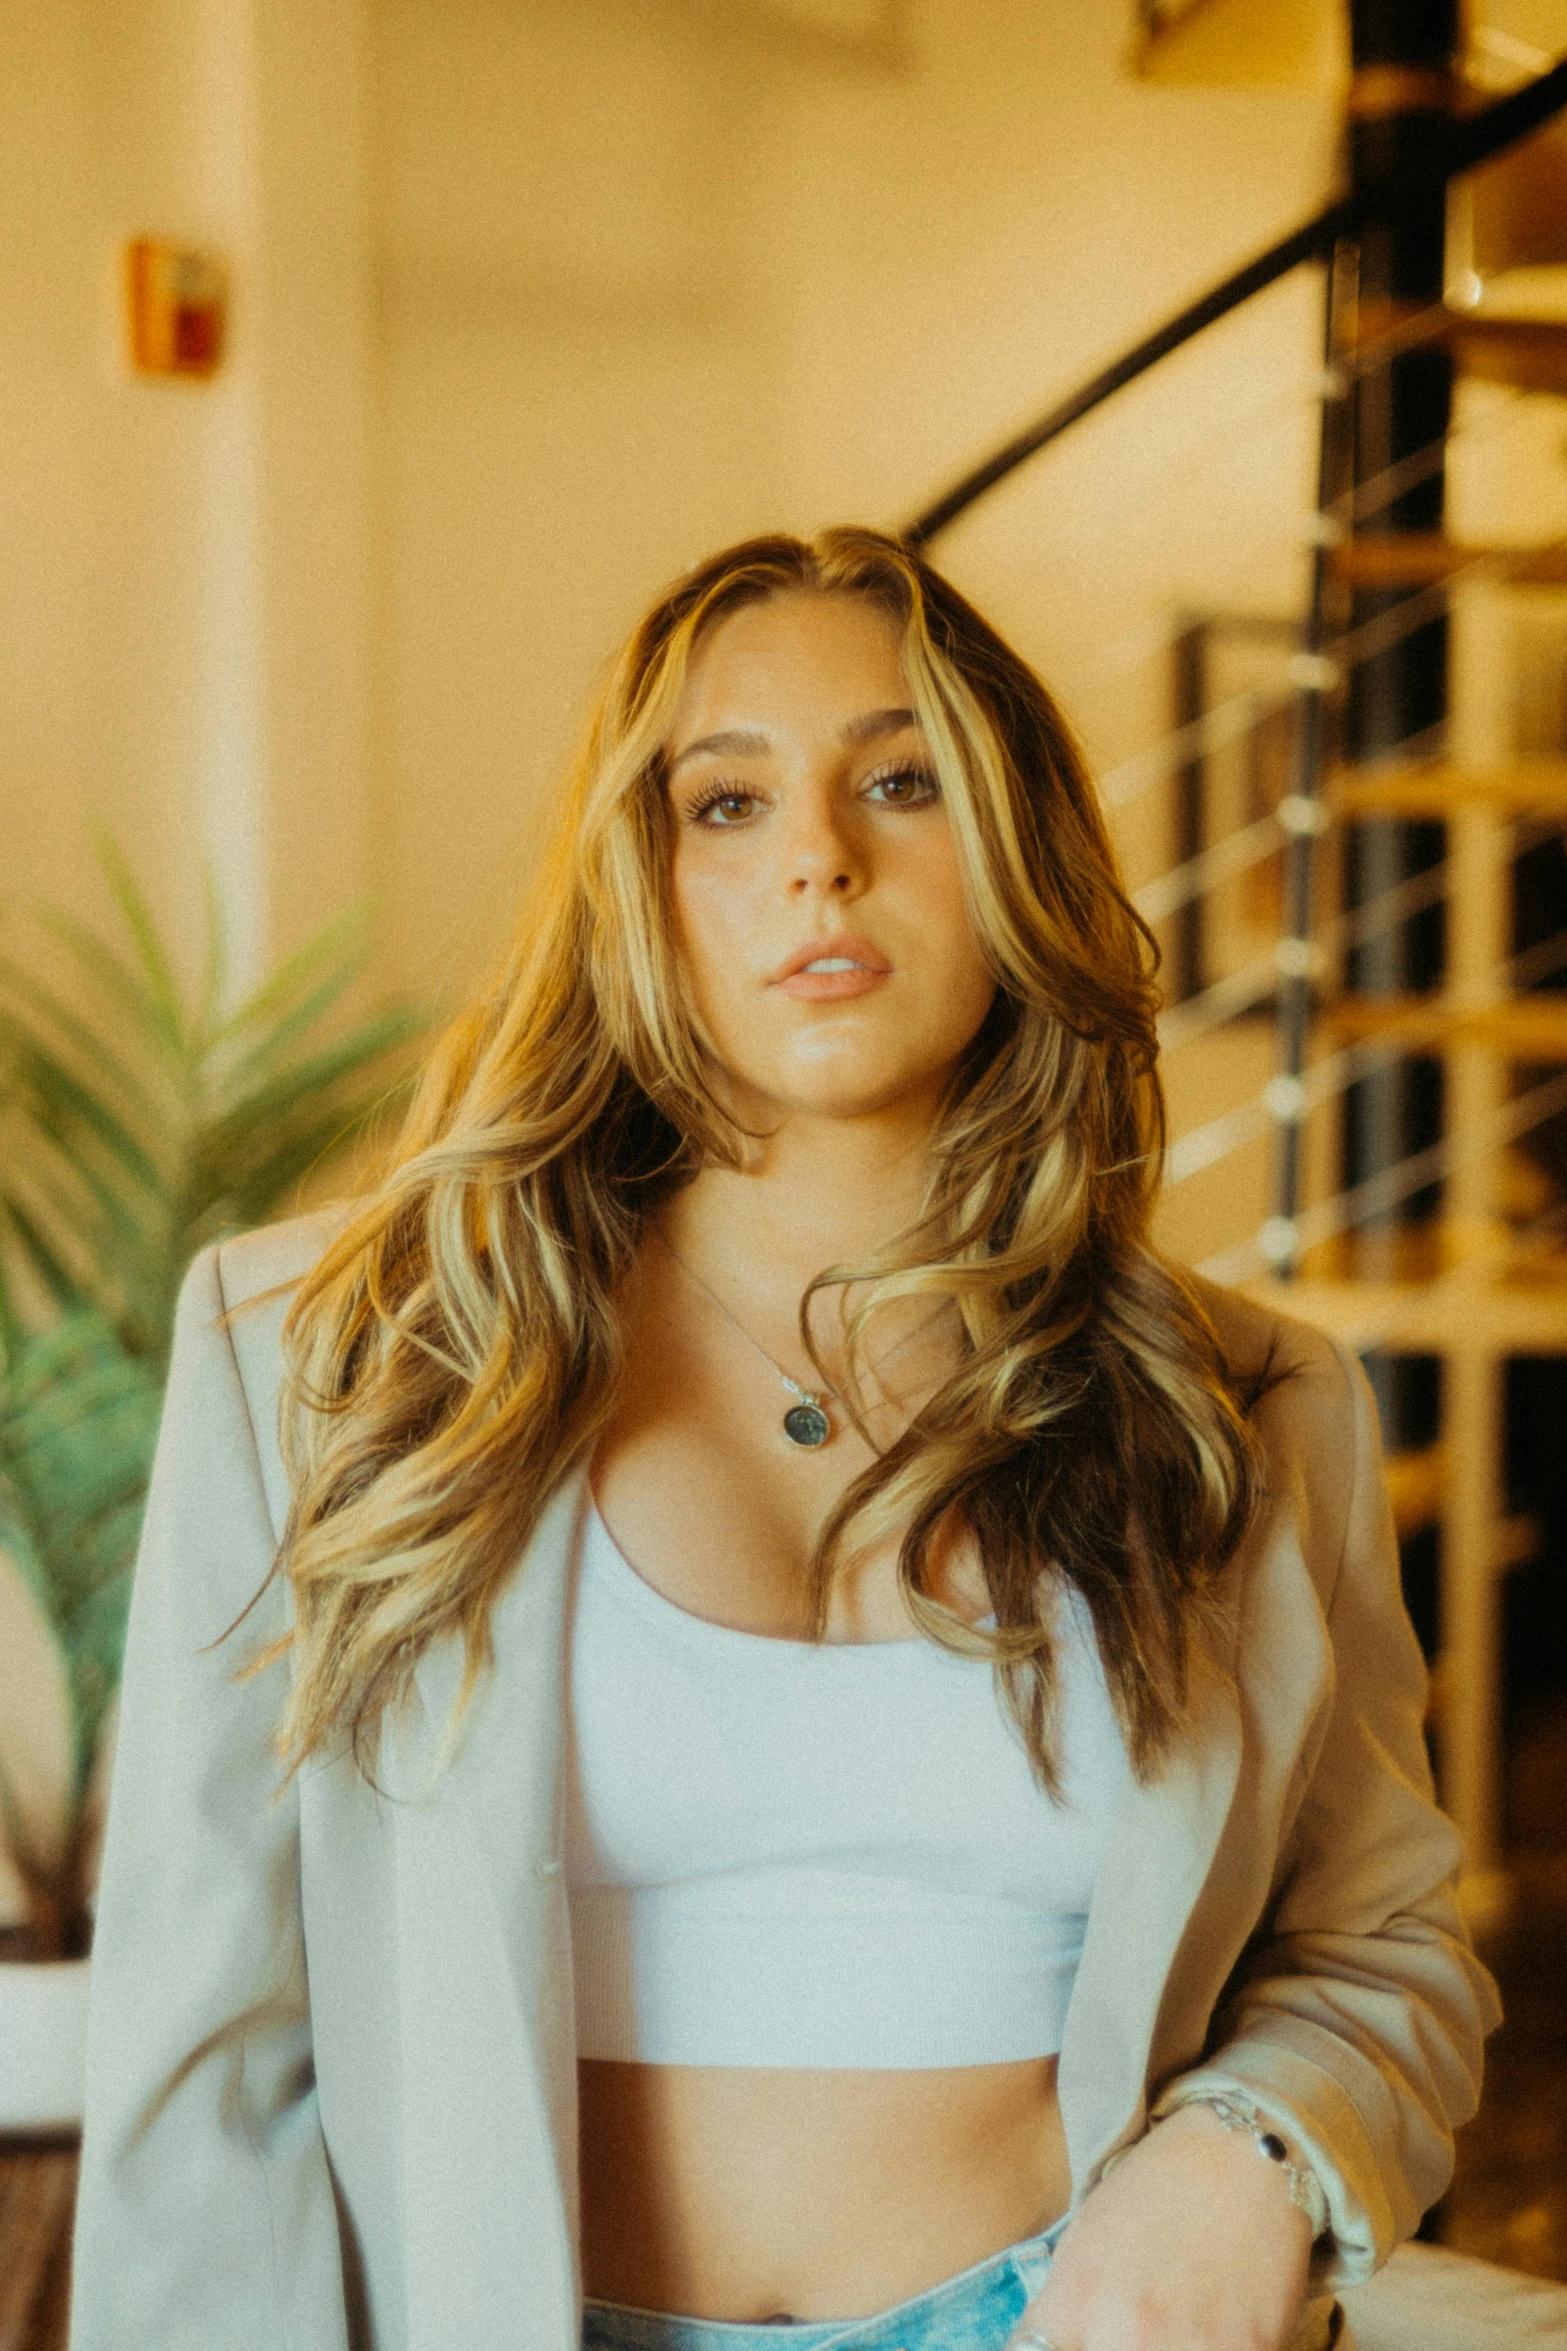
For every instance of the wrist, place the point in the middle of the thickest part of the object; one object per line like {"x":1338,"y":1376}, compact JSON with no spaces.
{"x":1270,"y":2146}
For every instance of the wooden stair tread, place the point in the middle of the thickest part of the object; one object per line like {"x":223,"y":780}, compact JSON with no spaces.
{"x":1528,"y":353}
{"x":1432,"y":1249}
{"x":1418,"y":559}
{"x":1433,"y":788}
{"x":1421,"y":1251}
{"x":1417,"y":1487}
{"x":1435,"y":1249}
{"x":1524,"y":1028}
{"x":1499,"y":1311}
{"x":37,"y":2199}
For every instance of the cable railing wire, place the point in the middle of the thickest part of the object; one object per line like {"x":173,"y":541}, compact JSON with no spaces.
{"x":1198,"y":1147}
{"x":1386,"y":1190}
{"x":1467,"y":143}
{"x":1255,"y":982}
{"x":1238,"y":716}
{"x":1282,"y":1097}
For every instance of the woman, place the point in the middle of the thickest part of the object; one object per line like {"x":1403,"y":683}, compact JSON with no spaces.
{"x":850,"y":1752}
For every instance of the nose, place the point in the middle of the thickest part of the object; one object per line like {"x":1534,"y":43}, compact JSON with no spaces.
{"x":825,"y":856}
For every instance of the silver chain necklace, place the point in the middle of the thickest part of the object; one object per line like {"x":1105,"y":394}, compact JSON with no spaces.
{"x":806,"y":1422}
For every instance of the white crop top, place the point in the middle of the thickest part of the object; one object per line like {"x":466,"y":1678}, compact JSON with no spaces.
{"x":785,"y":1853}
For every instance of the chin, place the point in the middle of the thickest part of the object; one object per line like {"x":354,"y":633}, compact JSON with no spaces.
{"x":846,"y":1094}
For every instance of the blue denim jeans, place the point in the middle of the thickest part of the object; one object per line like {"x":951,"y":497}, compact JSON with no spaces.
{"x":975,"y":2311}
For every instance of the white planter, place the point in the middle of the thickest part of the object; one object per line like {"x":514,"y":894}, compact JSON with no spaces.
{"x":43,"y":2043}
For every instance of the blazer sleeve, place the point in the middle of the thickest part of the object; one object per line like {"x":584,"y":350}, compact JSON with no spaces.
{"x":206,"y":2213}
{"x":1355,"y":2022}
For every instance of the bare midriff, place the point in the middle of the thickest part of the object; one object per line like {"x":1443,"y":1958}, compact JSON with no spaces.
{"x":751,"y":2193}
{"x":757,"y":2193}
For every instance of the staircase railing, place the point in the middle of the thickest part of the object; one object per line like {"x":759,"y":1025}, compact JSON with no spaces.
{"x":1355,"y":617}
{"x":1289,"y":973}
{"x":1472,"y":140}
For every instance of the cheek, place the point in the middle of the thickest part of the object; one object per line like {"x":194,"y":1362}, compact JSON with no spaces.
{"x":954,"y":954}
{"x":966,"y":999}
{"x":961,"y":985}
{"x":712,"y":931}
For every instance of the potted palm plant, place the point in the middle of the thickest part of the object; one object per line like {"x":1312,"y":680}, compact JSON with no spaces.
{"x":138,"y":1121}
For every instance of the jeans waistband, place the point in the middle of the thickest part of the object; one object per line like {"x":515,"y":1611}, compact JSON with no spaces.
{"x":974,"y":2311}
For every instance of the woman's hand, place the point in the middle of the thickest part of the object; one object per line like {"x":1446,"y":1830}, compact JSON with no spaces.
{"x":1191,"y":2244}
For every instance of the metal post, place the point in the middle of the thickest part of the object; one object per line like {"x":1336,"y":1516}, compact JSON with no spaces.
{"x":1304,"y":813}
{"x":1470,"y":1728}
{"x":1400,"y":106}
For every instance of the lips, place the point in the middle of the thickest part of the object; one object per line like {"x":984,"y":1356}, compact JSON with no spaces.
{"x":844,"y":966}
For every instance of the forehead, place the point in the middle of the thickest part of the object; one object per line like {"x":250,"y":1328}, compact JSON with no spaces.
{"x":793,"y":664}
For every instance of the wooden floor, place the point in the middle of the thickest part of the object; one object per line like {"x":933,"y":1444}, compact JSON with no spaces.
{"x":37,"y":2193}
{"x":1508,"y":2201}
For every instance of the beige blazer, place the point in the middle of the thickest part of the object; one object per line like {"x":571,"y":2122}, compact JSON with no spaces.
{"x":331,"y":2076}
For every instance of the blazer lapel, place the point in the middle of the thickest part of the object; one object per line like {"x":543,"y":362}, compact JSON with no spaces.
{"x":487,"y":2033}
{"x":1151,"y":1971}
{"x":1162,"y":1842}
{"x":484,"y":1970}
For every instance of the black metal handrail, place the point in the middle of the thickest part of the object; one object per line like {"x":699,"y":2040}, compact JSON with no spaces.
{"x":1472,"y":139}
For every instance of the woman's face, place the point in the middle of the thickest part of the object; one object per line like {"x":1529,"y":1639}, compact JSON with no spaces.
{"x":818,"y":899}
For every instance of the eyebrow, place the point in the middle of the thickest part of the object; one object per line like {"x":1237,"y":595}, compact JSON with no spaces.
{"x":747,"y":743}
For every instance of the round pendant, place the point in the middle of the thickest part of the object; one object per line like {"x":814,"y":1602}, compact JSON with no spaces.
{"x":807,"y":1424}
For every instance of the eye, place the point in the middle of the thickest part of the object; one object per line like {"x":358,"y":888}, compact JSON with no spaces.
{"x":719,"y":806}
{"x":906,"y":785}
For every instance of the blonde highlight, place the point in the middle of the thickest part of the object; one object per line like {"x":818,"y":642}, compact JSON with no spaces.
{"x":454,"y":1355}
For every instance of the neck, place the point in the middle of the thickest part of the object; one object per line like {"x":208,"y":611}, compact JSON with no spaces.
{"x":815,"y":1192}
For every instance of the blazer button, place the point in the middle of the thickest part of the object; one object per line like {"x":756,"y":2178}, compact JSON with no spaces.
{"x":546,"y":1869}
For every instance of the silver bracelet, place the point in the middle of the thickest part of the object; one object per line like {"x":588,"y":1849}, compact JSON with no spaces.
{"x":1305,"y":2189}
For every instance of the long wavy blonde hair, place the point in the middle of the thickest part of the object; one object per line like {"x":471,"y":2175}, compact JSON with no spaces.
{"x":455,"y":1354}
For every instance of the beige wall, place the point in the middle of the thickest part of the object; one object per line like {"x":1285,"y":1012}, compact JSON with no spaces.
{"x":576,"y":401}
{"x":535,"y":302}
{"x":653,"y":277}
{"x":186,"y":574}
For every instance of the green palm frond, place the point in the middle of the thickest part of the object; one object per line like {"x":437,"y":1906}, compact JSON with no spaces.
{"x":305,"y":984}
{"x":78,"y":1421}
{"x":138,"y":1122}
{"x":151,"y":1122}
{"x":155,"y":967}
{"x":114,"y":981}
{"x":24,"y":988}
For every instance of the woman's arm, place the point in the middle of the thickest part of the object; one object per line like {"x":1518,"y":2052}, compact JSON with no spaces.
{"x":1356,"y":2023}
{"x":206,"y":2211}
{"x":1353,"y":2027}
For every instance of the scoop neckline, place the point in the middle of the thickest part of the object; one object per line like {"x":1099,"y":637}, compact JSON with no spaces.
{"x":633,"y":1587}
